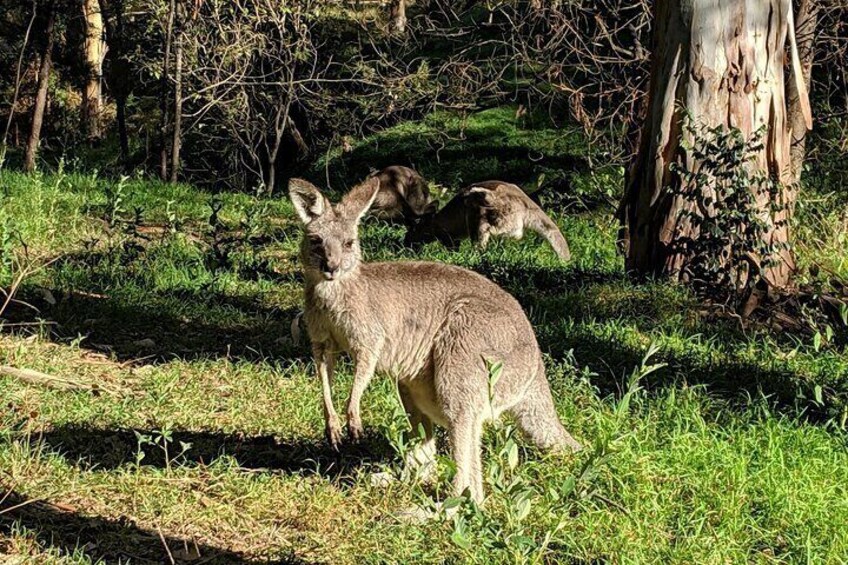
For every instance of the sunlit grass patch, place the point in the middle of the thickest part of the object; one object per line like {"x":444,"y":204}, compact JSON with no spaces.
{"x":204,"y":436}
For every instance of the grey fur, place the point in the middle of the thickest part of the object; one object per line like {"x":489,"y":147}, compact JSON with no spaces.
{"x":403,"y":195}
{"x":430,"y":326}
{"x":488,"y":209}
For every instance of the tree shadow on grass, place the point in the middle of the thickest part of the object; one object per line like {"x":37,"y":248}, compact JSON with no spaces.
{"x":454,"y":155}
{"x":151,"y":331}
{"x":568,"y":307}
{"x":613,"y":362}
{"x":726,"y":375}
{"x":112,"y":541}
{"x":106,"y":449}
{"x":473,"y":163}
{"x":157,"y":326}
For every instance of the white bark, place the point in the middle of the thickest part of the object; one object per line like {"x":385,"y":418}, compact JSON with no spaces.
{"x":723,"y":63}
{"x":94,"y":48}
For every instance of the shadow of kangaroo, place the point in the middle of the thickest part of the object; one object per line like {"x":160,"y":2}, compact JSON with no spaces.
{"x":484,"y":210}
{"x":430,"y":326}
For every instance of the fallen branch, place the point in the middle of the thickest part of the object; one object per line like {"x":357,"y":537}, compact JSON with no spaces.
{"x":61,"y":383}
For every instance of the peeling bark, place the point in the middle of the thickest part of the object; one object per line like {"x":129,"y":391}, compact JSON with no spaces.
{"x":723,"y":63}
{"x":806,"y":18}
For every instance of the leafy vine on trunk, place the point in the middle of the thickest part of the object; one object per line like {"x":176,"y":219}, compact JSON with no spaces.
{"x":729,"y":249}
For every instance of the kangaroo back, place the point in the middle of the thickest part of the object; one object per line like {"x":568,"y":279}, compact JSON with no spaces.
{"x":485,"y":209}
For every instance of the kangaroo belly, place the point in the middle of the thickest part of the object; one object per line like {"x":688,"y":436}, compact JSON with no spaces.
{"x":404,"y":359}
{"x":422,"y":391}
{"x":410,"y":361}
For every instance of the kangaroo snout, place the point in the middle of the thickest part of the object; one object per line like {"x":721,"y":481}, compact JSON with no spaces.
{"x":330,"y":269}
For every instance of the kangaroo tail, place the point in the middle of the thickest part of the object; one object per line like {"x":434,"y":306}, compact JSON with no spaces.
{"x":537,"y":417}
{"x":544,"y":226}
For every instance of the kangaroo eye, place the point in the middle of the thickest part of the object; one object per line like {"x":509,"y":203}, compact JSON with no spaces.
{"x":315,"y":241}
{"x":348,"y":244}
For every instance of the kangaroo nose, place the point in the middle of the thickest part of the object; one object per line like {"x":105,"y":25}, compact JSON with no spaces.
{"x":331,"y":269}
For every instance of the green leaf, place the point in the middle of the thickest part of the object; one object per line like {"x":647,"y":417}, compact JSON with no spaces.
{"x":512,"y":455}
{"x":459,"y":539}
{"x":452,"y":502}
{"x":523,"y":504}
{"x":567,"y":487}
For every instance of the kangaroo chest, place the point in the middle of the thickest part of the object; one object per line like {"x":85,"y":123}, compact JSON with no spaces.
{"x":349,"y":322}
{"x":332,"y":314}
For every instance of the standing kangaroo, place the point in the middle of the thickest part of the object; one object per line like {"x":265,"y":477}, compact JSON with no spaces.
{"x":430,"y":326}
{"x":487,"y":209}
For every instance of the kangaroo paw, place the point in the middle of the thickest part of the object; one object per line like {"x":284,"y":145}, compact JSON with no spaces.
{"x":355,"y":431}
{"x":334,"y":436}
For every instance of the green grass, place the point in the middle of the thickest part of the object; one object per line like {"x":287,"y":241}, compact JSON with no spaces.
{"x":205,"y":434}
{"x":453,"y":150}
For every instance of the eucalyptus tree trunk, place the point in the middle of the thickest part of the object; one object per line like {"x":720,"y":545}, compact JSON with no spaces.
{"x":94,"y":50}
{"x":722,"y":63}
{"x":44,"y":70}
{"x":178,"y":107}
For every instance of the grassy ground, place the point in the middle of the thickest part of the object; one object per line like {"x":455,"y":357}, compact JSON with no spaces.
{"x":194,"y":432}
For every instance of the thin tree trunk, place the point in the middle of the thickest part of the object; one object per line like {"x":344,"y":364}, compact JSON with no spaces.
{"x":302,"y":146}
{"x":805,"y":20}
{"x":272,"y":175}
{"x":178,"y":106}
{"x":94,"y":51}
{"x":41,"y":96}
{"x":119,"y":73}
{"x":397,"y":16}
{"x":17,"y":90}
{"x":279,"y":128}
{"x":722,"y":62}
{"x":163,"y":94}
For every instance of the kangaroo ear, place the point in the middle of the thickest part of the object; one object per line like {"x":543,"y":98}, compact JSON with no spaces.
{"x":308,"y":201}
{"x":360,"y":198}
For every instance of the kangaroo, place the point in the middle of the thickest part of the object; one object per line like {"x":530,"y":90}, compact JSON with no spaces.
{"x":430,"y":326}
{"x":487,"y":209}
{"x":404,"y":195}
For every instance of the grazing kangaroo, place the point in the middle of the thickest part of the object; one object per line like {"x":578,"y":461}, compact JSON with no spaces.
{"x":428,"y":325}
{"x":403,"y":195}
{"x":487,"y":209}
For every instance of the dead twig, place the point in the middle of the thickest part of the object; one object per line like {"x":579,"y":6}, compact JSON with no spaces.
{"x":61,"y":383}
{"x":167,"y":549}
